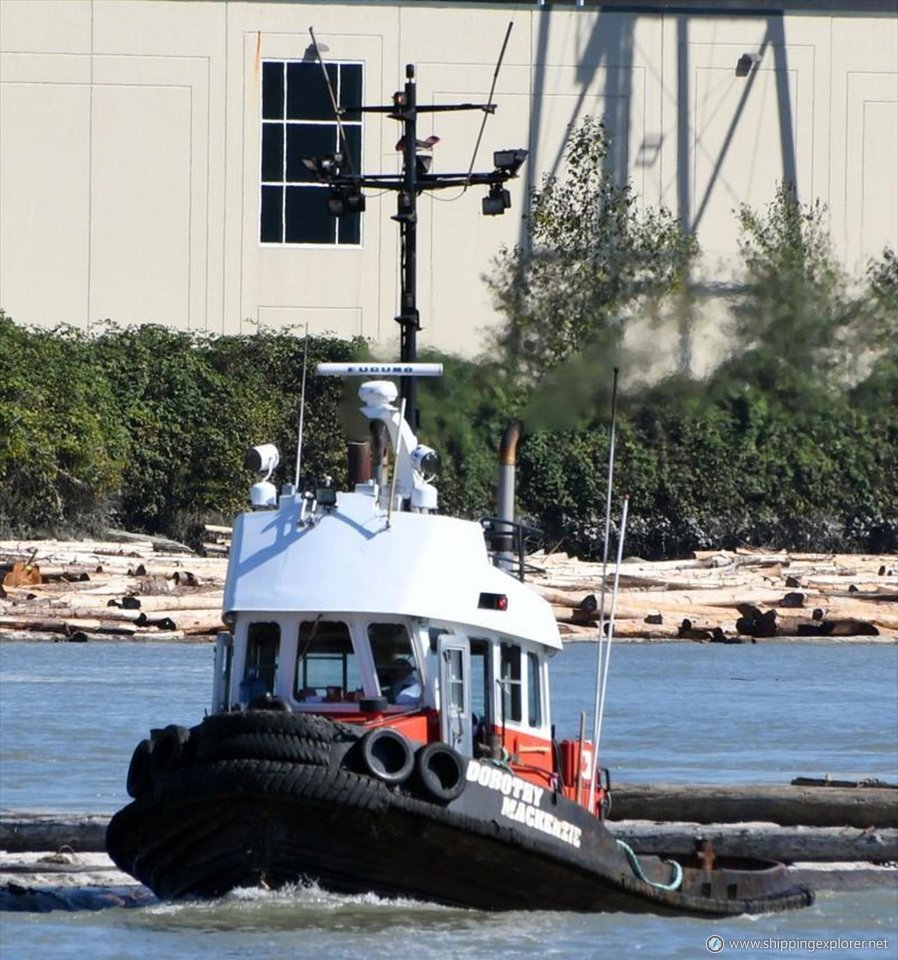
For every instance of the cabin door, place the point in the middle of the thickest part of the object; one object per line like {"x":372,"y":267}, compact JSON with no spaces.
{"x":455,"y":700}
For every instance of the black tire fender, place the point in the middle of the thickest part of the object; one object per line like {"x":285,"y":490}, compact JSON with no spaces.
{"x":168,"y":749}
{"x":386,"y":754}
{"x":440,"y":772}
{"x":140,"y":771}
{"x":264,"y":746}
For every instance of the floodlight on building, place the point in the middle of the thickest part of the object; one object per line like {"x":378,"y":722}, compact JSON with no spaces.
{"x":746,"y":62}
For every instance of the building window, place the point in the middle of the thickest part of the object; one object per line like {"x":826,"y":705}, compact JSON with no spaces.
{"x":298,"y":122}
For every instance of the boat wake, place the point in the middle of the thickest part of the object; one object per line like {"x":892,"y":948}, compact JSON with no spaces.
{"x":303,"y":904}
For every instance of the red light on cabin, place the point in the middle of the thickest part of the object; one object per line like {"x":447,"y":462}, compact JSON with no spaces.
{"x":493,"y":601}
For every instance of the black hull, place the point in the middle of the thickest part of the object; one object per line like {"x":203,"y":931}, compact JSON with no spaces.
{"x":209,"y":827}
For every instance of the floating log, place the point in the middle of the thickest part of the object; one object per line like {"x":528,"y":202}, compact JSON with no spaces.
{"x":189,"y":621}
{"x":860,"y":807}
{"x":86,"y":833}
{"x":764,"y":841}
{"x":66,"y":625}
{"x":80,"y":832}
{"x":163,"y":544}
{"x":186,"y":601}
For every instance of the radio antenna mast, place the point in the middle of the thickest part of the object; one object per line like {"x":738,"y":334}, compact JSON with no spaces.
{"x":334,"y":105}
{"x":489,"y":103}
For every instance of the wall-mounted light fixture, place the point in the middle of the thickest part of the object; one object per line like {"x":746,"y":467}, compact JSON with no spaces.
{"x":746,"y":62}
{"x":312,"y":54}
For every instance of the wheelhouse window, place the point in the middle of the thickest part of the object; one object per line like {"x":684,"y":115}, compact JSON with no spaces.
{"x":298,"y":123}
{"x":510,"y":681}
{"x":263,"y":642}
{"x":394,"y":661}
{"x":534,"y":698}
{"x":327,"y":669}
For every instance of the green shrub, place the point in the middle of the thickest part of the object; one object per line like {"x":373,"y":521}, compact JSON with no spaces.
{"x":146,"y":427}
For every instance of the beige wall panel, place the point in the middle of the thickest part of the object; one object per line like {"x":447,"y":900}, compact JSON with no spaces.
{"x":322,"y":321}
{"x":190,"y":77}
{"x":466,"y":35}
{"x":140,"y":234}
{"x":749,"y":133}
{"x":460,"y":244}
{"x":878,"y":226}
{"x":620,"y":104}
{"x":182,"y":44}
{"x":864,"y":70}
{"x":44,"y":179}
{"x":728,"y":139}
{"x":606,"y":64}
{"x":153,"y":27}
{"x":869,"y":193}
{"x":69,"y":68}
{"x":46,"y":26}
{"x":456,"y":243}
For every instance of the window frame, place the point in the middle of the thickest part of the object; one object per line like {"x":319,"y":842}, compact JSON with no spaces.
{"x":286,"y":185}
{"x":349,"y":661}
{"x":263,"y":636}
{"x":511,"y":687}
{"x":534,"y":689}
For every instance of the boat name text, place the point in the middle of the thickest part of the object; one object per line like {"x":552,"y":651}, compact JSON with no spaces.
{"x":521,"y":802}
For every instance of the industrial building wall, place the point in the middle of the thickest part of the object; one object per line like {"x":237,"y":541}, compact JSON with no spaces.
{"x":131,"y":145}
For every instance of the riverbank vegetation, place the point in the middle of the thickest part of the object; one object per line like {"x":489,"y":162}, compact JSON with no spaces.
{"x":786,"y":438}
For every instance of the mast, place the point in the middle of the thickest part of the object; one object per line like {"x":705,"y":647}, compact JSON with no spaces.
{"x":407,"y":215}
{"x":346,"y":197}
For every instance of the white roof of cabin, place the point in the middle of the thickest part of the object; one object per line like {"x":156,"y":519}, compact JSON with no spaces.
{"x":422,"y":565}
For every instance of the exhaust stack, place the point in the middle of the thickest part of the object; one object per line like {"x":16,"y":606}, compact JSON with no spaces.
{"x":504,"y":533}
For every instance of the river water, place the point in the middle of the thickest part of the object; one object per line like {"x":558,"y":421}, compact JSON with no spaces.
{"x":70,"y":715}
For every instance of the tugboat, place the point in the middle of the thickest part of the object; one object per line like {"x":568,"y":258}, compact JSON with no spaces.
{"x":380,"y":714}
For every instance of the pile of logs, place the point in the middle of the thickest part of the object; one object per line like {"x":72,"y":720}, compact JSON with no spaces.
{"x":726,"y":596}
{"x":131,"y":588}
{"x":145,"y":588}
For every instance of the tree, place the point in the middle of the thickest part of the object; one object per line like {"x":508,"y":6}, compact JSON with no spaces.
{"x":590,"y":258}
{"x":799,"y":330}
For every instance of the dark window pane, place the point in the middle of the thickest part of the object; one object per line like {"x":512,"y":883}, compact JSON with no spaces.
{"x":307,"y":218}
{"x":263,"y":642}
{"x":273,"y":151}
{"x":534,"y":703}
{"x":307,"y":95}
{"x":308,"y":140}
{"x":351,"y":89}
{"x":272,"y":91}
{"x":349,"y":228}
{"x":354,"y":145}
{"x":271,"y":230}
